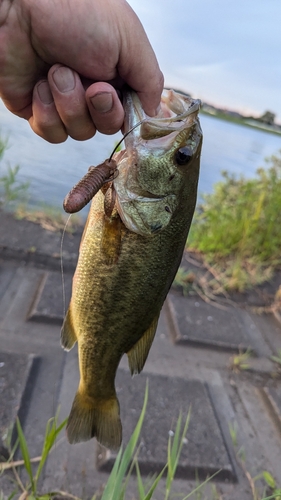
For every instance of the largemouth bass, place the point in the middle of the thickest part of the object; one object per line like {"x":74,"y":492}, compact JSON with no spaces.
{"x":130,"y":251}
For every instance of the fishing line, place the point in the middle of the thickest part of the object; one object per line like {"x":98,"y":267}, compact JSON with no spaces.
{"x":133,"y":128}
{"x":55,"y":387}
{"x":125,"y":135}
{"x":61,"y":266}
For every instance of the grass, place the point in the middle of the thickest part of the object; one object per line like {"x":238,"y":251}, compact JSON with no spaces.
{"x":12,"y":191}
{"x":126,"y":461}
{"x":238,"y":362}
{"x":236,"y":229}
{"x":277,"y":358}
{"x":50,"y":218}
{"x":117,"y":483}
{"x":30,"y":489}
{"x":270,"y":490}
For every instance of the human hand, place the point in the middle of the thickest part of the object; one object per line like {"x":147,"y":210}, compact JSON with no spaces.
{"x":63,"y":63}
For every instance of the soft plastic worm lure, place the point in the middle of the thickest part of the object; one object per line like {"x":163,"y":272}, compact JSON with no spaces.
{"x":82,"y":193}
{"x":89,"y":185}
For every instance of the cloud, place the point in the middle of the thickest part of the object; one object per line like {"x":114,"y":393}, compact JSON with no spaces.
{"x":223,"y":51}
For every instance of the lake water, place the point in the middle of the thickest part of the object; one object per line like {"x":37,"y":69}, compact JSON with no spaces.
{"x":53,"y":169}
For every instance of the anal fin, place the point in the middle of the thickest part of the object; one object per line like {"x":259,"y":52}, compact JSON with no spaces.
{"x":68,"y":336}
{"x":138,"y":354}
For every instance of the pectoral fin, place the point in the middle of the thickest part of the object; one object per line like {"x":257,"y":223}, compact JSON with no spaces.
{"x":138,"y":354}
{"x":68,"y":336}
{"x":111,"y":239}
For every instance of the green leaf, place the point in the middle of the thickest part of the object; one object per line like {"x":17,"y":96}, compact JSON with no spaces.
{"x":275,"y":496}
{"x":276,"y":359}
{"x":51,"y":433}
{"x":233,"y":432}
{"x":269,"y":479}
{"x":25,"y":454}
{"x":12,"y":495}
{"x":203,"y":484}
{"x":140,"y":483}
{"x":113,"y":488}
{"x":174,"y":451}
{"x":154,"y":485}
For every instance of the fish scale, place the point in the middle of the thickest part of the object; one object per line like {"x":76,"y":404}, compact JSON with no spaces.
{"x":128,"y":260}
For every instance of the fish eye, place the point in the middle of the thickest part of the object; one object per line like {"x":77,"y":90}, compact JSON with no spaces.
{"x":183,"y":155}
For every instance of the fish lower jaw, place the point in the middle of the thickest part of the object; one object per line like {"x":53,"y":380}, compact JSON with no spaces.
{"x":138,"y":222}
{"x":126,"y":219}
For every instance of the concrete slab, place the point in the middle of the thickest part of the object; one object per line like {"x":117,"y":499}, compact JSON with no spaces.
{"x":6,"y":275}
{"x":71,"y":468}
{"x":272,"y":397}
{"x":204,"y":451}
{"x":15,"y":371}
{"x":262,"y":442}
{"x":178,"y":376}
{"x":49,"y":304}
{"x":195,"y":322}
{"x":28,"y":241}
{"x":40,"y":398}
{"x":15,"y":308}
{"x":270,"y":329}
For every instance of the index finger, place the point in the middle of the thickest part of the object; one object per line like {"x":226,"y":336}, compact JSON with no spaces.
{"x":138,"y":65}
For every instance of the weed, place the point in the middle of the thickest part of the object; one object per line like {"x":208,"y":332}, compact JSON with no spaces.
{"x":11,"y":189}
{"x":274,"y":308}
{"x":184,"y":280}
{"x":125,"y":462}
{"x":116,"y":486}
{"x":3,"y":146}
{"x":277,"y":359}
{"x":50,"y":218}
{"x":271,"y":485}
{"x":238,"y":362}
{"x":233,"y":433}
{"x":29,"y":490}
{"x":236,"y":228}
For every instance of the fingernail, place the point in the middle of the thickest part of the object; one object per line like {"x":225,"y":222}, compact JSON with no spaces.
{"x":44,"y":92}
{"x":153,"y":113}
{"x":157,"y":111}
{"x":64,"y":79}
{"x":102,"y":102}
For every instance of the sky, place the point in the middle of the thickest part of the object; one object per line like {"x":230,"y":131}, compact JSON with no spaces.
{"x":227,"y":53}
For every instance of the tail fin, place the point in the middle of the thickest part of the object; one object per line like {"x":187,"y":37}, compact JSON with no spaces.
{"x":98,"y":419}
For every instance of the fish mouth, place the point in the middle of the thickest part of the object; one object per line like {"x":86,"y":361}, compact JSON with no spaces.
{"x":177,"y":112}
{"x":174,"y":107}
{"x":144,"y":207}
